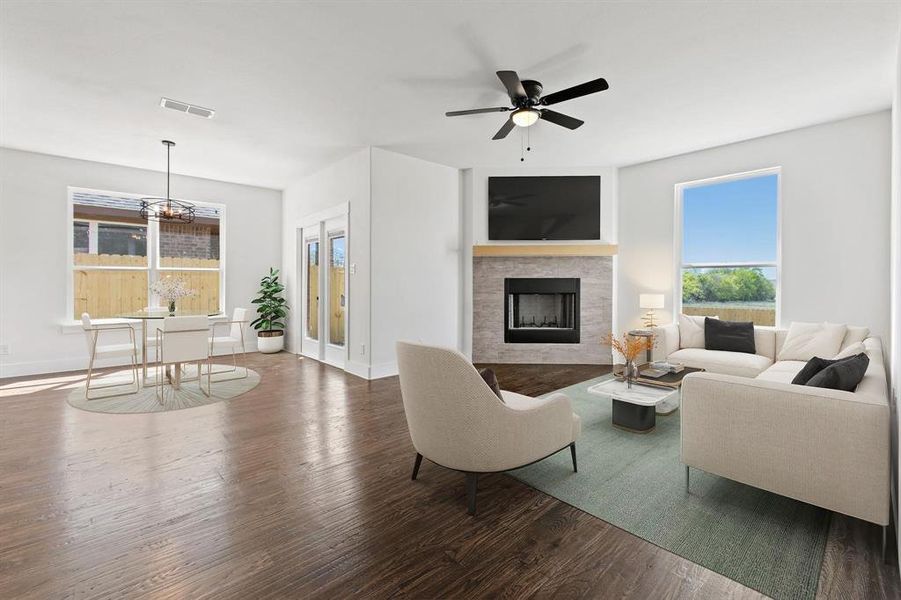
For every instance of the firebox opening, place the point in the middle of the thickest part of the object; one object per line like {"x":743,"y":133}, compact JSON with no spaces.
{"x":541,"y":310}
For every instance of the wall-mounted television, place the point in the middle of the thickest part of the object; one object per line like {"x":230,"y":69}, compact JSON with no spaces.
{"x":544,"y":208}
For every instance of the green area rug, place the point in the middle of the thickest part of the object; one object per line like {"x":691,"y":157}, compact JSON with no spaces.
{"x":636,"y":482}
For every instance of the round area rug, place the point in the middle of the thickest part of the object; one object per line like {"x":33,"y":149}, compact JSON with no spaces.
{"x":121,"y":399}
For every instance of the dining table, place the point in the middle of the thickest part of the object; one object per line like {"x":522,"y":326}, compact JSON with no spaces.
{"x":146,"y":315}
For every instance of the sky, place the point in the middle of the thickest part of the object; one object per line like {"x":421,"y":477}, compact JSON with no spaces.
{"x":733,"y":221}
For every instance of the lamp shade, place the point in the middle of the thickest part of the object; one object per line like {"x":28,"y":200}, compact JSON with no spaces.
{"x":650,"y":300}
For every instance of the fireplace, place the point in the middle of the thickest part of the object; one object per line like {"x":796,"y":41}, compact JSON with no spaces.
{"x":544,"y":311}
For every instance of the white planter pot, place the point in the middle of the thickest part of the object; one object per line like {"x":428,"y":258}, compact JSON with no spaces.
{"x":271,"y":344}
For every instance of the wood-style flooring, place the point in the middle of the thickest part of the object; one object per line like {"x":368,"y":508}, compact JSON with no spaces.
{"x":301,"y":488}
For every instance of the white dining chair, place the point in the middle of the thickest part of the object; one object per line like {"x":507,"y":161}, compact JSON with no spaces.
{"x":233,"y":341}
{"x":179,"y":341}
{"x":96,"y":351}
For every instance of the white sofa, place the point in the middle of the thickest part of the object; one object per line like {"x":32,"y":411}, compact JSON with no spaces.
{"x":743,"y":419}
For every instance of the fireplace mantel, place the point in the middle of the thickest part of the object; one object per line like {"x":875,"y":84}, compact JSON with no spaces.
{"x":545,"y":249}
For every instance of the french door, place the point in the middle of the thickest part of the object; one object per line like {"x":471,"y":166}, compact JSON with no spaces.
{"x":335,"y":307}
{"x":324,"y":293}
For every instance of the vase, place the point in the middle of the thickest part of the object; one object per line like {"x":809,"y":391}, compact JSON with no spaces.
{"x":171,"y":307}
{"x":630,"y":371}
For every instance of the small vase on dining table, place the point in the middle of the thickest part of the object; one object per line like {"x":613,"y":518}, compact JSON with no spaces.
{"x":171,"y":307}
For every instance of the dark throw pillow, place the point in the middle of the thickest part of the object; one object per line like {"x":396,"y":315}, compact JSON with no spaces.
{"x":844,"y":374}
{"x":491,"y":379}
{"x":731,"y":336}
{"x":814,"y":366}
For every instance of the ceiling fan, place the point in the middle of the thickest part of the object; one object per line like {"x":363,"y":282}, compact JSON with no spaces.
{"x":525,"y":96}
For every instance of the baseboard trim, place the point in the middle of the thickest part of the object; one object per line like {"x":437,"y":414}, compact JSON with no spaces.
{"x":388,"y":369}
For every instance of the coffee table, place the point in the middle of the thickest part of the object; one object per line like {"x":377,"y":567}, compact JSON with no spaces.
{"x":636,"y":408}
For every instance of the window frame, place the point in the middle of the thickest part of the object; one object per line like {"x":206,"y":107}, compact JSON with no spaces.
{"x":679,"y":266}
{"x":153,"y":267}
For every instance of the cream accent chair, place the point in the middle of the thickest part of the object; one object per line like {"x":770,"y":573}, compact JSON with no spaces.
{"x":456,"y":421}
{"x":182,"y":340}
{"x":102,"y":351}
{"x":231,"y":342}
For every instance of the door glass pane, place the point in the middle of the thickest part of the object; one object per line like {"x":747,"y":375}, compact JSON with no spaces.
{"x":312,"y":300}
{"x":337,"y":297}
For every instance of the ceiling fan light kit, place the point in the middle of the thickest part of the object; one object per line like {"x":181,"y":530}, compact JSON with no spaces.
{"x":525,"y":117}
{"x":527,"y":103}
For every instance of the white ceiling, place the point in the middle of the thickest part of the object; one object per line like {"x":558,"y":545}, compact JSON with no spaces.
{"x":296,"y":85}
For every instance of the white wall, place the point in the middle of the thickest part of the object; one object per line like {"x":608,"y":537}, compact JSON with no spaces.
{"x":343,"y":182}
{"x":415,"y":255}
{"x":835,"y":220}
{"x":34,"y":222}
{"x":403,"y":250}
{"x":474,"y":212}
{"x":895,"y":353}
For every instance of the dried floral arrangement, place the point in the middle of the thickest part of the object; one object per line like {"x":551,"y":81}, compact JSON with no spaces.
{"x":628,"y":346}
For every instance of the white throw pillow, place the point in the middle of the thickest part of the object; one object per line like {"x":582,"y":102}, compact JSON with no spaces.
{"x":691,"y":331}
{"x":852,"y":350}
{"x":806,"y":340}
{"x":855,"y":335}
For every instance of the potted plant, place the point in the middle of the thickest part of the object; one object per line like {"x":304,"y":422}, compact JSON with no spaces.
{"x":272,"y":309}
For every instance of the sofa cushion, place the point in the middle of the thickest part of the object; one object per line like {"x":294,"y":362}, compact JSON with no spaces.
{"x":731,"y":336}
{"x":806,"y":340}
{"x":691,"y":331}
{"x":783,"y":371}
{"x":845,"y":374}
{"x":719,"y":361}
{"x":814,"y":366}
{"x":854,"y":335}
{"x":851,"y":350}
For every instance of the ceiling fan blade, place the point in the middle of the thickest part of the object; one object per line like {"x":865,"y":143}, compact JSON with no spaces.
{"x":577,"y":91}
{"x":504,"y":130}
{"x":561,"y":119}
{"x":514,"y":86}
{"x":475,"y":111}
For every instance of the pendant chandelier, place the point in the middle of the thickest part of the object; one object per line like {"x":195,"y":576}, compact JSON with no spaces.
{"x":167,"y":209}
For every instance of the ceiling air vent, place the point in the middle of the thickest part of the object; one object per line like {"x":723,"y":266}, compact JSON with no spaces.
{"x":184,"y":107}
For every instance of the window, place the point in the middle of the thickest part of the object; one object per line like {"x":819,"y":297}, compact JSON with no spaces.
{"x":116,"y":255}
{"x":729,"y":247}
{"x":313,"y":289}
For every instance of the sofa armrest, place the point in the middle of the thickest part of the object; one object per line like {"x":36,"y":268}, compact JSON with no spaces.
{"x":666,"y":341}
{"x":826,"y":447}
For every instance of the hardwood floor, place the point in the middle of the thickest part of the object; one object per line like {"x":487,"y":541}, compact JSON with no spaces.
{"x":301,"y":488}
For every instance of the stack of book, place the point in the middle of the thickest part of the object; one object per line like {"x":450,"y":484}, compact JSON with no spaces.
{"x":661,"y":368}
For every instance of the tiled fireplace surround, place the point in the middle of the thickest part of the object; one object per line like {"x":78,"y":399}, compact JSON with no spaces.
{"x":489,"y":273}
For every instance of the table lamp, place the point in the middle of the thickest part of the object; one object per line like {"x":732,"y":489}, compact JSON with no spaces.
{"x":650,"y":302}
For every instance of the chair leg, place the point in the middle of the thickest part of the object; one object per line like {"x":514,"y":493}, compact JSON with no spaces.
{"x":572,"y":450}
{"x":472,"y":484}
{"x":416,"y":466}
{"x":686,"y":479}
{"x":87,"y":385}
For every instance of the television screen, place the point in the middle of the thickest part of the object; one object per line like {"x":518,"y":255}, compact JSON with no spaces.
{"x":544,"y":208}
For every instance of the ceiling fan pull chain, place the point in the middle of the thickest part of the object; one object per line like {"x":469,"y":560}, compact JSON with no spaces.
{"x":522,"y":158}
{"x":528,"y":139}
